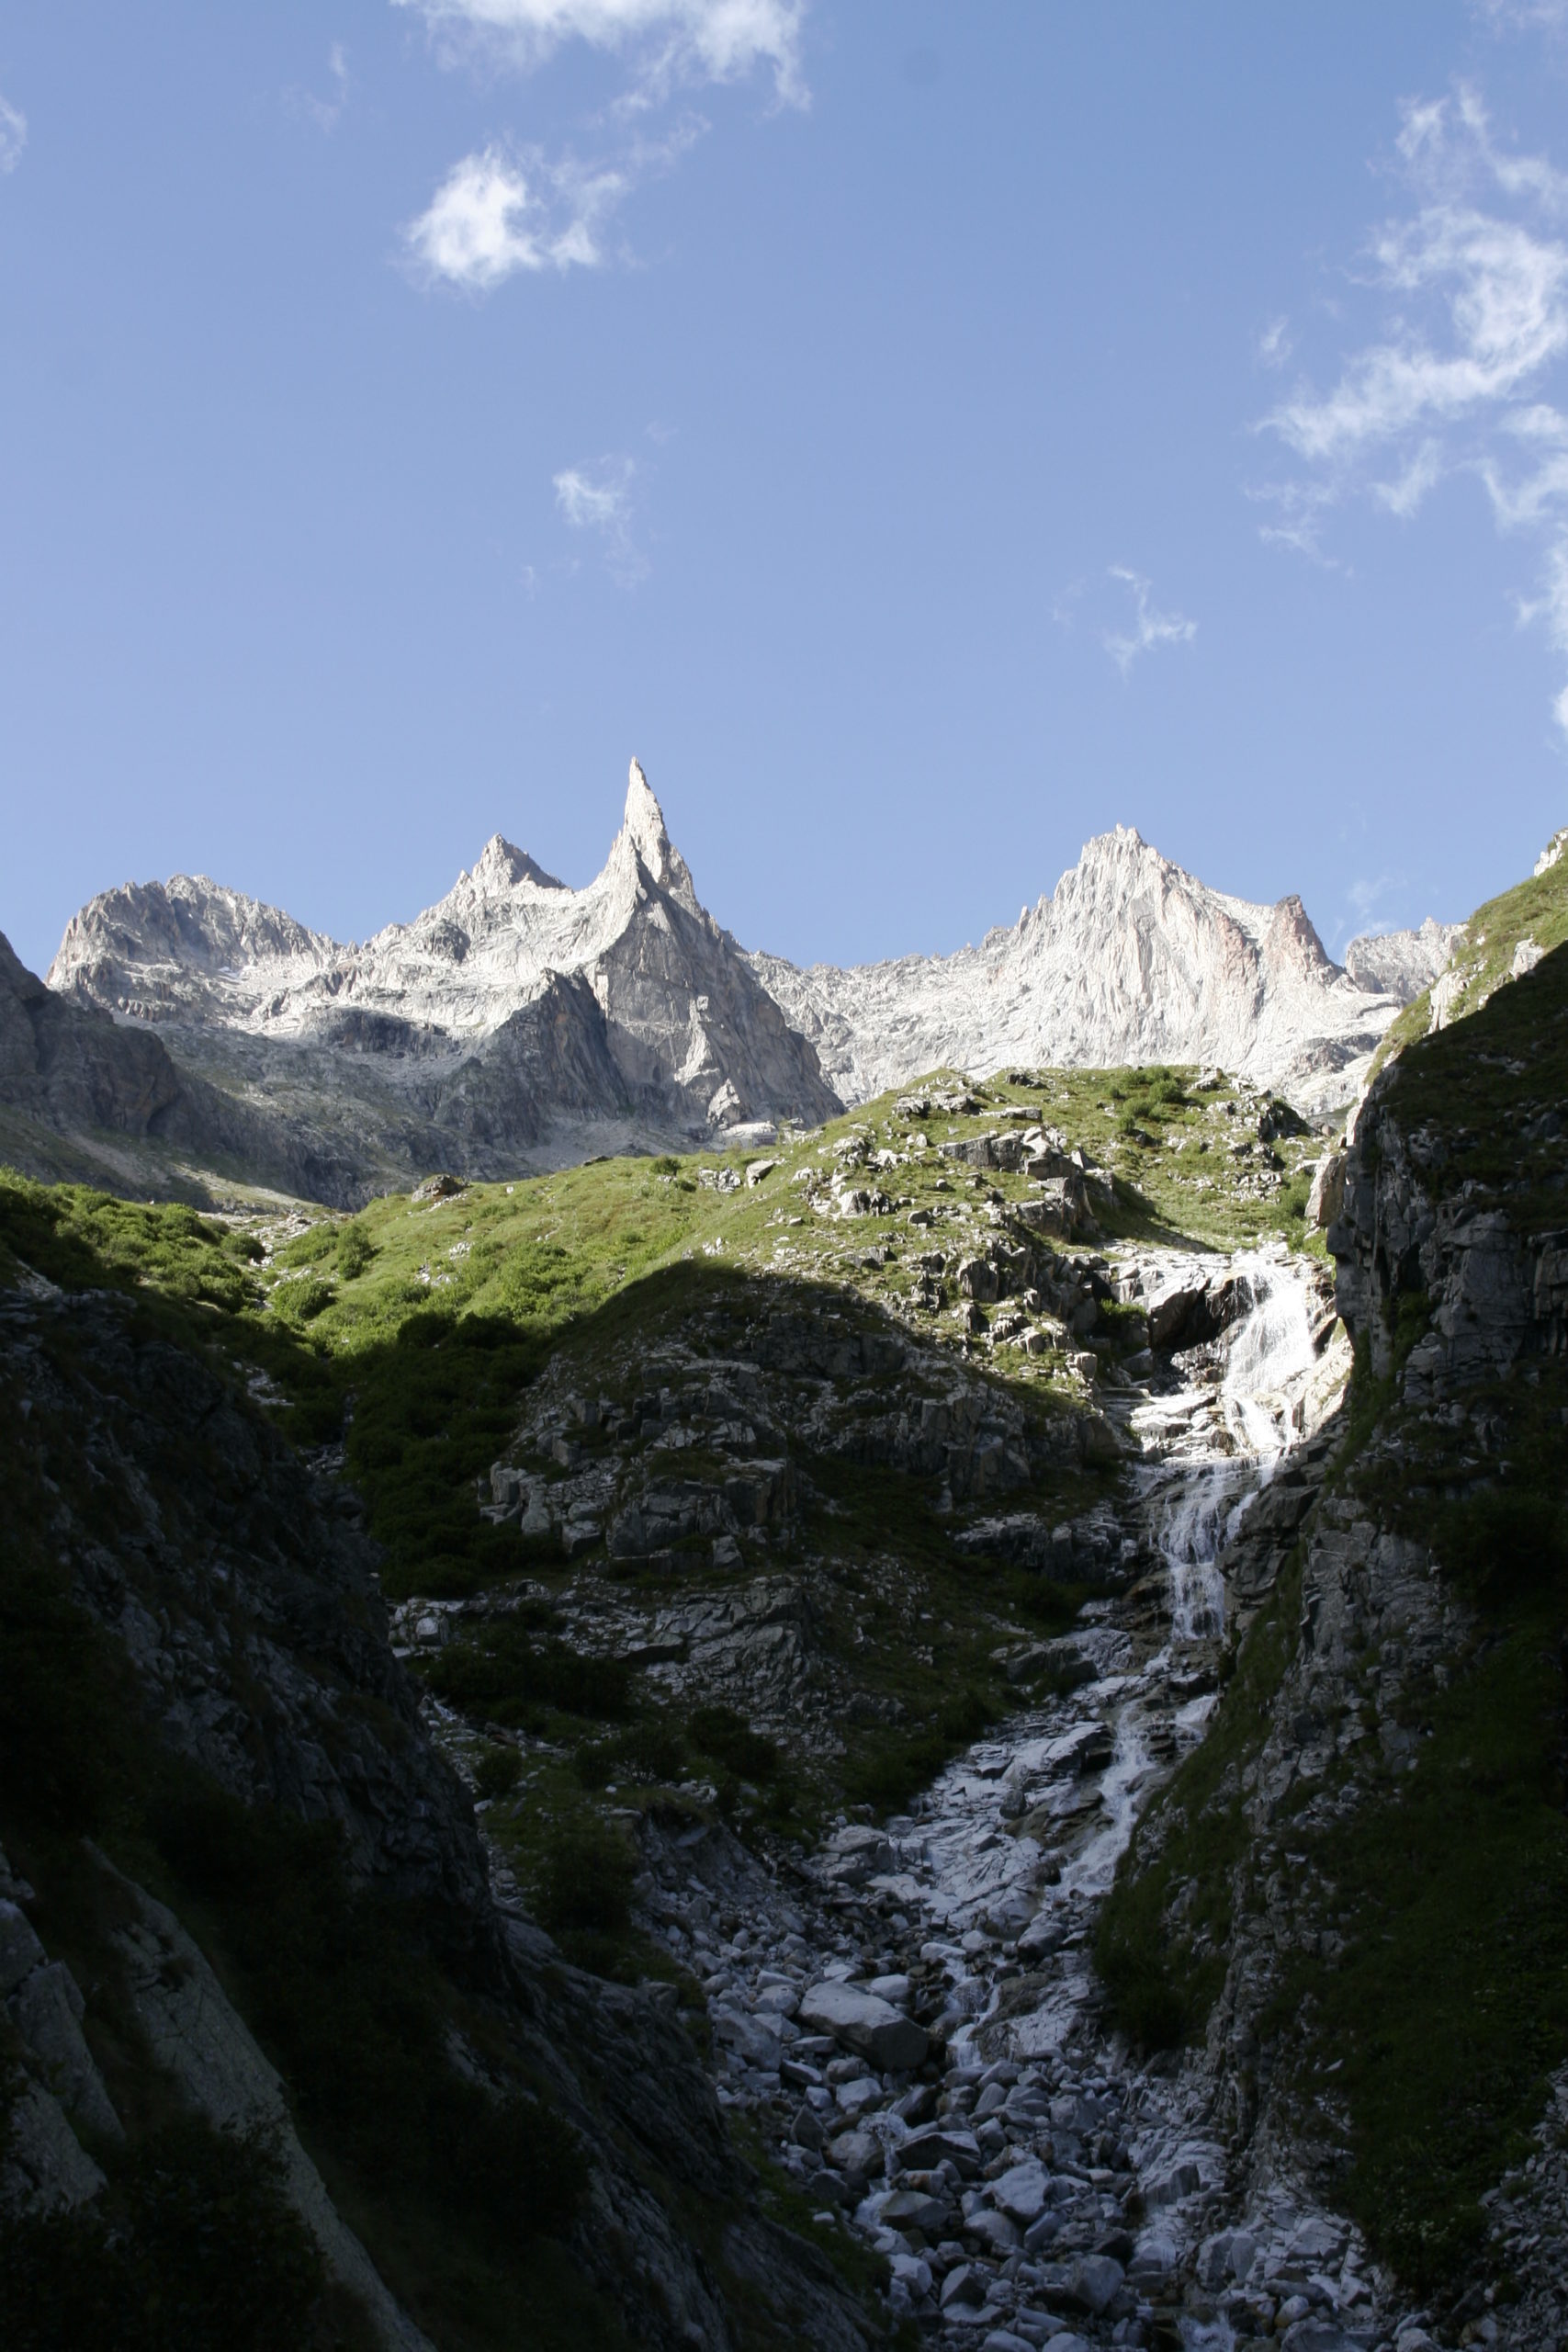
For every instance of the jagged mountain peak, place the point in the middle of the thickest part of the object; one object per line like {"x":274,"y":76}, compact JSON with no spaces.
{"x":644,"y":820}
{"x":513,"y":1015}
{"x":1290,"y":942}
{"x":645,"y":835}
{"x":501,"y":866}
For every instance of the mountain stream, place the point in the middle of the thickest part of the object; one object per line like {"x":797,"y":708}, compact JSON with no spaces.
{"x":1049,"y":2191}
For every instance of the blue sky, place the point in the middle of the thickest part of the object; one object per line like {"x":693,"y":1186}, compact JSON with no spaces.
{"x":925,"y":435}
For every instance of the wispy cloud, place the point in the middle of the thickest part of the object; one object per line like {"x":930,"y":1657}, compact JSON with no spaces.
{"x":666,"y":42}
{"x":600,"y":499}
{"x":1274,"y":344}
{"x":1149,"y":628}
{"x":13,"y":135}
{"x":325,"y":113}
{"x":1524,"y":16}
{"x":1299,"y":509}
{"x":1065,"y":603}
{"x":493,"y":216}
{"x":1465,"y":375}
{"x":1371,"y":905}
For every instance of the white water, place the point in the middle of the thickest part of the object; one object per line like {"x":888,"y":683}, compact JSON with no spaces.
{"x":1271,"y":1347}
{"x":1204,"y":1508}
{"x":1208,"y":1479}
{"x":1213,"y":1450}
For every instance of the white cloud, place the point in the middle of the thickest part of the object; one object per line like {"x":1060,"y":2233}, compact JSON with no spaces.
{"x":1274,"y":346}
{"x":668,"y":40}
{"x":1065,"y":603}
{"x":13,"y":136}
{"x":600,"y":499}
{"x":1473,"y":286}
{"x":1300,"y":508}
{"x":325,"y":113}
{"x":1421,"y":472}
{"x":497,"y":212}
{"x":1149,"y":628}
{"x":491,"y":217}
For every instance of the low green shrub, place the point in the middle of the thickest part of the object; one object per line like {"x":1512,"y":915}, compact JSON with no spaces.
{"x":1497,"y":1544}
{"x":1293,"y":1196}
{"x":888,"y":1770}
{"x":356,"y":1250}
{"x":192,"y":2248}
{"x":723,"y":1735}
{"x":504,"y":1675}
{"x":585,"y":1881}
{"x":652,"y":1750}
{"x":497,"y":1772}
{"x":297,"y":1303}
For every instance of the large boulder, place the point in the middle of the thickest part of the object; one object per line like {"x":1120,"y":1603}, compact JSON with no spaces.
{"x":864,"y":2023}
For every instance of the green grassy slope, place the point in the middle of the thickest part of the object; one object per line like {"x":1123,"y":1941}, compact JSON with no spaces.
{"x":1535,"y":911}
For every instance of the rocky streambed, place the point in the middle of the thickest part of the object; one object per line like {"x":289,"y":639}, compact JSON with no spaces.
{"x":913,"y":2024}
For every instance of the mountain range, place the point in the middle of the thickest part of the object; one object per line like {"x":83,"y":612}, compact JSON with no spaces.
{"x":1131,"y":960}
{"x":521,"y":1023}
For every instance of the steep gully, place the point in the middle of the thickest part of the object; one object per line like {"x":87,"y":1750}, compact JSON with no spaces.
{"x":1047,"y":2188}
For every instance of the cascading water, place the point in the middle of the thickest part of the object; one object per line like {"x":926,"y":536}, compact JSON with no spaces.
{"x":1270,"y":1347}
{"x":1204,"y":1507}
{"x":999,"y":1873}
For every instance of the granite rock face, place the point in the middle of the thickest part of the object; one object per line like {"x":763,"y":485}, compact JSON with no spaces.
{"x":1129,"y":960}
{"x":515,"y":1018}
{"x":72,"y":1067}
{"x":1402,"y":963}
{"x":96,"y":1099}
{"x":1495,"y":1284}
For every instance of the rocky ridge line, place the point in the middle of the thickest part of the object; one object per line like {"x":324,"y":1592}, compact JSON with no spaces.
{"x":1129,"y":960}
{"x":516,"y":1020}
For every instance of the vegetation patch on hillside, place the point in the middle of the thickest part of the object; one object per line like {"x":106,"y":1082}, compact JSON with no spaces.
{"x":1533,"y":916}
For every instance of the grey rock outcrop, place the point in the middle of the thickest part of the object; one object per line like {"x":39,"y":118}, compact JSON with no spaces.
{"x":242,"y":1589}
{"x":1495,"y":1285}
{"x":198,"y":2040}
{"x":72,"y":1067}
{"x":287,"y":1694}
{"x":1402,"y":963}
{"x":1129,"y":960}
{"x":201,"y":2043}
{"x":96,"y":1099}
{"x":864,"y":2023}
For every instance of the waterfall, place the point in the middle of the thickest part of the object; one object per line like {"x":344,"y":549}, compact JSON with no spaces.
{"x":1270,"y":1347}
{"x":1203,"y":1512}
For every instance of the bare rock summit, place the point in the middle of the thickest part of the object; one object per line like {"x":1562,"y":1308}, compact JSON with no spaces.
{"x":1131,"y":959}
